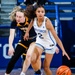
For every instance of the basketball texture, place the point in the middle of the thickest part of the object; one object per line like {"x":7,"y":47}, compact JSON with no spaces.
{"x":63,"y":70}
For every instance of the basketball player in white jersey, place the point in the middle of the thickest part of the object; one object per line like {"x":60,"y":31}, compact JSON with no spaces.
{"x":46,"y":39}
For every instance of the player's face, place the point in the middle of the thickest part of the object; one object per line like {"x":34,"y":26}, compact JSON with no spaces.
{"x":40,"y":12}
{"x":20,"y":18}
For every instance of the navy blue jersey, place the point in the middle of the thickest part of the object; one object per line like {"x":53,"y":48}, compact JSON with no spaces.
{"x":23,"y":27}
{"x":22,"y":45}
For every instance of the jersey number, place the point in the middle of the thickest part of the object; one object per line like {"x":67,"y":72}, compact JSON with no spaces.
{"x":40,"y":36}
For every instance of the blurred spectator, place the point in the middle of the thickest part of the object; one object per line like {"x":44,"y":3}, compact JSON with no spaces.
{"x":19,"y":2}
{"x":28,"y":2}
{"x":42,"y":2}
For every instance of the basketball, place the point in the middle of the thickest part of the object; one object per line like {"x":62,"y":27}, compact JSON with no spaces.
{"x":63,"y":70}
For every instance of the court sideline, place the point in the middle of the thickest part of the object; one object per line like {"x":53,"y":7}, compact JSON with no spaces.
{"x":29,"y":72}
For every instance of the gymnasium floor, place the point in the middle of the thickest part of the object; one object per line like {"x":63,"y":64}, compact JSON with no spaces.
{"x":29,"y":72}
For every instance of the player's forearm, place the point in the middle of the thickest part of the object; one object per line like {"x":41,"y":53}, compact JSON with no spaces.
{"x":11,"y":37}
{"x":29,"y":27}
{"x":11,"y":41}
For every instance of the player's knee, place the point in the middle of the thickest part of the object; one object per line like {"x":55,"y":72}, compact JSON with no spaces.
{"x":46,"y":68}
{"x":33,"y":59}
{"x":28,"y":57}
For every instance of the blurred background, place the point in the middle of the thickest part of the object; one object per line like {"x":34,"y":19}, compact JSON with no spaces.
{"x":62,"y":15}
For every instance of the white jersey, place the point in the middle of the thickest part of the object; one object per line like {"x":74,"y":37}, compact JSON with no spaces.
{"x":44,"y":37}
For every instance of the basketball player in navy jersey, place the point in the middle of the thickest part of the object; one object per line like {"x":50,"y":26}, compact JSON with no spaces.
{"x":20,"y":21}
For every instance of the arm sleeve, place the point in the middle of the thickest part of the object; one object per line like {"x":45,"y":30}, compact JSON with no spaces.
{"x":13,"y":25}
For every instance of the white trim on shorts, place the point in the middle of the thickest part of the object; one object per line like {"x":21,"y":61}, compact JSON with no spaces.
{"x":46,"y":50}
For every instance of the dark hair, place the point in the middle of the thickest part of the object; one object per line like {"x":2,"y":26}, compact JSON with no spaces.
{"x":30,"y":10}
{"x":38,"y":6}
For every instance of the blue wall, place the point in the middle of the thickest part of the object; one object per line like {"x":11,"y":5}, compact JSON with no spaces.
{"x":4,"y":58}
